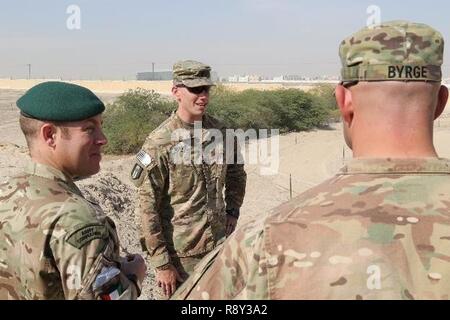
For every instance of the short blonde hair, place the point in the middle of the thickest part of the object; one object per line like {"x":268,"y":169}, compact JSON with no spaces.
{"x":30,"y":128}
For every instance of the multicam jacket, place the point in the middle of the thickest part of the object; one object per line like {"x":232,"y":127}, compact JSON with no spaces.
{"x":53,"y":242}
{"x":180,"y":193}
{"x":378,"y":230}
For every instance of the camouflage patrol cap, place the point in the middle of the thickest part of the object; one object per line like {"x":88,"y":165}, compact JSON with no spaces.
{"x":191,"y":74}
{"x":59,"y":101}
{"x":393,"y":51}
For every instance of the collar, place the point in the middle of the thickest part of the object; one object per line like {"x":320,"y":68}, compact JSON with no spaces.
{"x":397,"y":166}
{"x":51,"y":173}
{"x":187,"y":125}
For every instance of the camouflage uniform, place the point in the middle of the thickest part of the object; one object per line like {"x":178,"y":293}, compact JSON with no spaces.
{"x":378,"y":230}
{"x":181,"y":206}
{"x":53,"y":242}
{"x":181,"y":203}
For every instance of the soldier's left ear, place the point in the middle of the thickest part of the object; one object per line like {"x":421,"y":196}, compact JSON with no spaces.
{"x":442,"y":101}
{"x":344,"y":100}
{"x":48,"y":134}
{"x":175,"y":91}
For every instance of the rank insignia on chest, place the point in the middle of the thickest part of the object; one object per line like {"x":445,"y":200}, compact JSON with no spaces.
{"x":179,"y":148}
{"x":180,"y":153}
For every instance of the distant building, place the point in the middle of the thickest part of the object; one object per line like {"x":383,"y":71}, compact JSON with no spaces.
{"x":254,"y":78}
{"x":154,"y":76}
{"x":293,"y":77}
{"x":165,"y":76}
{"x":243,"y":79}
{"x":278,"y":79}
{"x":233,"y":79}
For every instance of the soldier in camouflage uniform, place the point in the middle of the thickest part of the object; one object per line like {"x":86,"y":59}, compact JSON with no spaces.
{"x":55,"y":244}
{"x":181,"y":205}
{"x":379,"y":229}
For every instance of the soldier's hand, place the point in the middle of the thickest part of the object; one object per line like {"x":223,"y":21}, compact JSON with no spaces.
{"x":134,"y":264}
{"x":167,"y":280}
{"x":230,"y":224}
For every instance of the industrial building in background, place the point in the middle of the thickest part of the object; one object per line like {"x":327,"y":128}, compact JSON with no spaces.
{"x":164,"y":76}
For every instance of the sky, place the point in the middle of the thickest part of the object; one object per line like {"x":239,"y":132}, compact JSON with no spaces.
{"x":116,"y":39}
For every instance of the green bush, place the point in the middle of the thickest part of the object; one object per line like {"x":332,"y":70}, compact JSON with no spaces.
{"x":284,"y":109}
{"x":325,"y":97}
{"x":129,"y":120}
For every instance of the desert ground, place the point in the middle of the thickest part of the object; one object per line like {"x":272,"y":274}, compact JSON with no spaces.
{"x":162,"y":87}
{"x":309,"y":157}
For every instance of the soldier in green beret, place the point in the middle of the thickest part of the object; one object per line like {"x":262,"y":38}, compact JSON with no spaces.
{"x":181,"y":205}
{"x":55,"y":244}
{"x":380,"y":228}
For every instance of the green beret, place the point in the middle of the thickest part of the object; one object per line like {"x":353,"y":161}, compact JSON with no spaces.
{"x":60,"y":101}
{"x":393,"y":51}
{"x":192,"y":74}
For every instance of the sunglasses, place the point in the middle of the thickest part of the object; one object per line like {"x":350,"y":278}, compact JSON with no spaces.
{"x":349,"y":84}
{"x":197,"y":90}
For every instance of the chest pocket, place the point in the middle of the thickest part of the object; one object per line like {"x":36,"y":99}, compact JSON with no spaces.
{"x":183,"y":179}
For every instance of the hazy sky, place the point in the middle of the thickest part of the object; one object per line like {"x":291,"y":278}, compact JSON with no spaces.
{"x":119,"y":38}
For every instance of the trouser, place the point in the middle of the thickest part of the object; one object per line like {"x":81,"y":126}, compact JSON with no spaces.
{"x":185,"y":266}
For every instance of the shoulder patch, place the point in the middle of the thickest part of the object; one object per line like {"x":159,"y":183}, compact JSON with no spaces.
{"x":136,"y":172}
{"x":143,"y":161}
{"x":144,"y":158}
{"x":86,"y":233}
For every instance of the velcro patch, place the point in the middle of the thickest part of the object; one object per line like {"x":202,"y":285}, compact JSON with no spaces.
{"x":86,"y":234}
{"x":144,"y":158}
{"x":137,"y":171}
{"x":408,"y":72}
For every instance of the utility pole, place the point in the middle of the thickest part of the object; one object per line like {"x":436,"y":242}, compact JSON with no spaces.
{"x":29,"y":71}
{"x":153,"y":71}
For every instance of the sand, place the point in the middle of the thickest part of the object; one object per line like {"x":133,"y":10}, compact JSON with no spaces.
{"x":118,"y":87}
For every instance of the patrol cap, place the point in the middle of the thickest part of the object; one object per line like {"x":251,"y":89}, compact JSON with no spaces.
{"x":192,"y":74}
{"x":59,"y":101}
{"x":393,"y":51}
